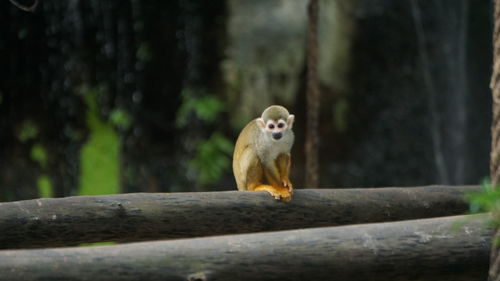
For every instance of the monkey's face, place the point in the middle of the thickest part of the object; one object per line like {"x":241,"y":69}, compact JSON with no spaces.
{"x":276,"y":129}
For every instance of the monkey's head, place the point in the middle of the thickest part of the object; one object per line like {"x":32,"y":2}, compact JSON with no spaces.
{"x":276,"y":122}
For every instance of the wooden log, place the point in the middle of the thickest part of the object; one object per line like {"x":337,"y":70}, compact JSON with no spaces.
{"x":148,"y":216}
{"x":447,"y":248}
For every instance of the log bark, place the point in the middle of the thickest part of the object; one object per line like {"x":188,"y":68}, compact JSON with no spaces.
{"x":447,"y":248}
{"x":148,"y":216}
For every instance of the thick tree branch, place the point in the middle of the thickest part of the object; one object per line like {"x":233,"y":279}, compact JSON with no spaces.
{"x":145,"y":216}
{"x":449,"y":248}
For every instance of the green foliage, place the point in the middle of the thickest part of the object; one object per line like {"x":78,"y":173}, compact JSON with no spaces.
{"x":213,"y":155}
{"x":213,"y":158}
{"x":39,"y":155}
{"x":121,"y":119}
{"x":28,"y":131}
{"x":206,"y":108}
{"x":45,"y":187}
{"x":99,"y":156}
{"x":485,"y":201}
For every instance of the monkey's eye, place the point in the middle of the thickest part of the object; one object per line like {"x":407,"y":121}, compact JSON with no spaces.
{"x":281,"y":125}
{"x":271,"y":126}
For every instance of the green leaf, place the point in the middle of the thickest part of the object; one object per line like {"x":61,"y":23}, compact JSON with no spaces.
{"x":99,"y":156}
{"x":488,"y":200}
{"x":205,"y":107}
{"x":45,"y":187}
{"x":39,"y":154}
{"x":213,"y":158}
{"x":28,"y":131}
{"x":121,"y":119}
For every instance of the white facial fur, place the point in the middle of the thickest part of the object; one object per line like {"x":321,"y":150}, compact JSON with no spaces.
{"x":276,"y":126}
{"x":269,"y":146}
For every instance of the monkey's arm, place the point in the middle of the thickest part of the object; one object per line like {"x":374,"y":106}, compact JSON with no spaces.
{"x":272,"y":174}
{"x":277,"y":186}
{"x":283,"y":164}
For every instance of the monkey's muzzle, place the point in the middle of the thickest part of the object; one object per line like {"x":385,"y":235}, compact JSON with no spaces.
{"x":277,"y":136}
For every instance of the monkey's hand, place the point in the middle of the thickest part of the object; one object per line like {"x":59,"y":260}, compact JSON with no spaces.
{"x":279,"y":193}
{"x":287,"y":184}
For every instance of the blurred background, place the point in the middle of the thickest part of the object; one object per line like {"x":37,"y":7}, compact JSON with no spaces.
{"x":110,"y":96}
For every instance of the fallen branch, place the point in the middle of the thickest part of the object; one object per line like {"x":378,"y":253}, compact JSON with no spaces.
{"x":449,"y":248}
{"x":147,"y":216}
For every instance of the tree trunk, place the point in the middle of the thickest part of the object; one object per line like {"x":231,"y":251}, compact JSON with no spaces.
{"x":494,"y":273}
{"x":312,"y":137}
{"x":144,"y":216}
{"x":449,"y":248}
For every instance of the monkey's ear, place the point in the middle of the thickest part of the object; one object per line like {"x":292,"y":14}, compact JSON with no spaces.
{"x":290,"y":120}
{"x":261,"y":123}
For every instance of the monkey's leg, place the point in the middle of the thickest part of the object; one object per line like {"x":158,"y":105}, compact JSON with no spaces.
{"x":248,"y":170}
{"x":283,"y":163}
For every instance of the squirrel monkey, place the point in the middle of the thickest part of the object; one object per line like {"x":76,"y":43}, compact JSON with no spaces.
{"x":262,"y":152}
